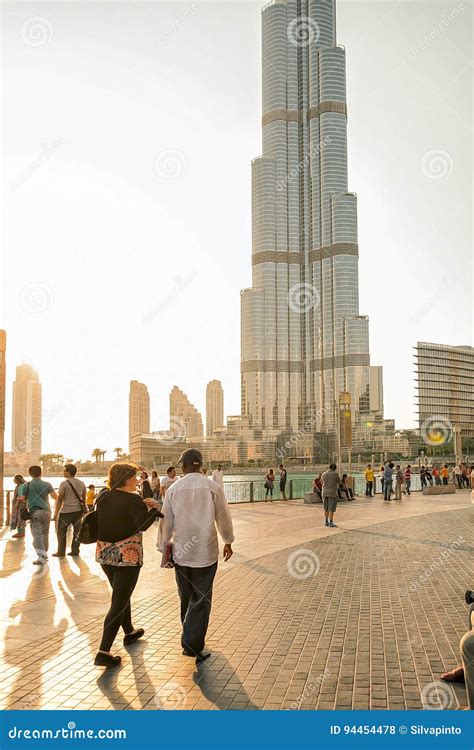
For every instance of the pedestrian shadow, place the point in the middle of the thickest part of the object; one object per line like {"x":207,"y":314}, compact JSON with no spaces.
{"x":258,"y":568}
{"x":12,"y":557}
{"x":27,"y":687}
{"x":108,"y":686}
{"x":204,"y":678}
{"x":73,"y":597}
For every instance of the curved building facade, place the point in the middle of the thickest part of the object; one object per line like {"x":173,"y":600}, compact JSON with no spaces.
{"x":303,"y":339}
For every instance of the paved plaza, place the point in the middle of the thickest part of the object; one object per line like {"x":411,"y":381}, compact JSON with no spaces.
{"x":304,"y":617}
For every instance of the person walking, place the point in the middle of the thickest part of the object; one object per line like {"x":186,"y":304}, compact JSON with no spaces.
{"x":407,"y":479}
{"x":90,"y":497}
{"x":37,"y":499}
{"x":155,"y":485}
{"x":122,"y":517}
{"x":218,"y":475}
{"x":283,"y":479}
{"x":17,"y":525}
{"x":458,"y":476}
{"x":195,"y":508}
{"x":423,"y":473}
{"x":398,"y":482}
{"x":167,"y":481}
{"x":445,"y":474}
{"x":146,"y":491}
{"x":382,"y":478}
{"x":331,"y":481}
{"x":69,"y":508}
{"x":388,"y":481}
{"x":269,"y":482}
{"x":369,"y":480}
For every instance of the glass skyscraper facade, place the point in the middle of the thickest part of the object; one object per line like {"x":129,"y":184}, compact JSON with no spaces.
{"x":303,"y":340}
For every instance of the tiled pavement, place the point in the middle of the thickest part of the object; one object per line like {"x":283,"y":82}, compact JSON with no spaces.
{"x":367,"y":616}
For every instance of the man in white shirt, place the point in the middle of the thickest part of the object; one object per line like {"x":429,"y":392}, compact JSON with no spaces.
{"x":218,"y":475}
{"x":168,"y":480}
{"x":193,"y":508}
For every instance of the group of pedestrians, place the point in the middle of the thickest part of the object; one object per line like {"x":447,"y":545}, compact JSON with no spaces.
{"x":269,"y":483}
{"x":191,"y":511}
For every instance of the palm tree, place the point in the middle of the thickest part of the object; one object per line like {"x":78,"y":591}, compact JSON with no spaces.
{"x":102,"y":454}
{"x":118,"y":453}
{"x":97,"y":453}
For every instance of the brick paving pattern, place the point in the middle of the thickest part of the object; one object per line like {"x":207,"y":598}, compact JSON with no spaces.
{"x":366,"y":618}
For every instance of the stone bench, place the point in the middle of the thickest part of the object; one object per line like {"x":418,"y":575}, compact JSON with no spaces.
{"x":312,"y":497}
{"x":440,"y":489}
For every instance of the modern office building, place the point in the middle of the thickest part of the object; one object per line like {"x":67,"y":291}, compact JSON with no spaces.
{"x":303,"y":340}
{"x":445,"y":390}
{"x":138,"y":411}
{"x":185,"y":420}
{"x":26,"y":413}
{"x":376,"y":389}
{"x":214,"y":407}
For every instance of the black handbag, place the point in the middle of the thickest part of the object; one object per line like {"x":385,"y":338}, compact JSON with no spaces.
{"x":88,"y":529}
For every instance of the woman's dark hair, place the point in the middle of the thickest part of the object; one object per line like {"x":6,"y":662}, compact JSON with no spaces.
{"x":18,"y":479}
{"x":120,"y":473}
{"x":154,"y":474}
{"x":144,"y":475}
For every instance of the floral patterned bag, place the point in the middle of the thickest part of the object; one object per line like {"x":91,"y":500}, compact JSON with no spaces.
{"x":126,"y":553}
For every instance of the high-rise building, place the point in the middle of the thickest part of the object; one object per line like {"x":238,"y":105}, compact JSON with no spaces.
{"x":27,"y":411}
{"x":303,"y":341}
{"x":376,"y":389}
{"x":445,"y":391}
{"x":214,"y":407}
{"x":138,"y":411}
{"x":185,"y":420}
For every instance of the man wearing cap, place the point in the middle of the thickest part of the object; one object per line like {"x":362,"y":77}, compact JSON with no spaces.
{"x":192,"y":510}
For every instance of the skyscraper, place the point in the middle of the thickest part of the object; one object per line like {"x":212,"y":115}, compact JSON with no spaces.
{"x":445,"y":391}
{"x":303,"y":340}
{"x":27,"y":410}
{"x":185,"y":420}
{"x":214,"y":407}
{"x":138,"y":411}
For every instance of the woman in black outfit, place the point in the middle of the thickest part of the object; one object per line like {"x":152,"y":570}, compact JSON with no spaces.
{"x":122,"y":516}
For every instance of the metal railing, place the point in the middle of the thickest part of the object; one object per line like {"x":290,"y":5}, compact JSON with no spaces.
{"x":247,"y":491}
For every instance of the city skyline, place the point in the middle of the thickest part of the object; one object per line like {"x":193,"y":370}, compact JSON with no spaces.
{"x":413,"y":183}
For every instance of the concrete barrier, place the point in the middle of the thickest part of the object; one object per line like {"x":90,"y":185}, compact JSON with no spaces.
{"x":440,"y":489}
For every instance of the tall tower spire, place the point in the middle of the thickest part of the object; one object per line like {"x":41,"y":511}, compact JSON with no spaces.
{"x":303,"y":340}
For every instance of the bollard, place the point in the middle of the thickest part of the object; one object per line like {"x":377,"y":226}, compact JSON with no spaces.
{"x":290,"y":487}
{"x":251,"y":492}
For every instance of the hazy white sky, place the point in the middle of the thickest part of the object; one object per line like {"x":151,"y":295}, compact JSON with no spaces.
{"x":127,"y":135}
